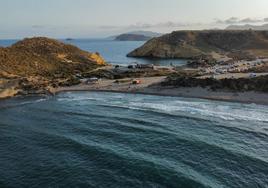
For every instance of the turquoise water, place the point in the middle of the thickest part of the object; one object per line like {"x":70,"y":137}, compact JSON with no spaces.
{"x":84,"y":139}
{"x":114,"y":52}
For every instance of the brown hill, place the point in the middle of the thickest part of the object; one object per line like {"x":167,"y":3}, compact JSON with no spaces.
{"x":37,"y":65}
{"x":192,"y":44}
{"x":46,"y":58}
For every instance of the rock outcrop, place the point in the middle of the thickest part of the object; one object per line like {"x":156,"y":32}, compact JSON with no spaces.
{"x":195,"y":44}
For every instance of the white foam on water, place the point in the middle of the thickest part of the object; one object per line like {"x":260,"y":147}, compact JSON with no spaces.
{"x":206,"y":109}
{"x":177,"y":106}
{"x":75,"y":99}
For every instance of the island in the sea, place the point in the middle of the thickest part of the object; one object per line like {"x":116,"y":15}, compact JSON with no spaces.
{"x":136,"y":36}
{"x":223,"y":65}
{"x":132,"y":37}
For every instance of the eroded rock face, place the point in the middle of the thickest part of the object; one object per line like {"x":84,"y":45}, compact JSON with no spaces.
{"x":96,"y":57}
{"x":191,"y":44}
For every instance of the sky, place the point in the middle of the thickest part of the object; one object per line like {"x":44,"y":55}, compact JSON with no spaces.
{"x":102,"y":18}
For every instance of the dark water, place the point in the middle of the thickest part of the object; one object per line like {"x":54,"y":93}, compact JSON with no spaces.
{"x":113,"y":51}
{"x":120,"y":140}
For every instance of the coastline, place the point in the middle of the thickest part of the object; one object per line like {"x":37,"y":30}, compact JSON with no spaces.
{"x":227,"y":97}
{"x":148,"y":88}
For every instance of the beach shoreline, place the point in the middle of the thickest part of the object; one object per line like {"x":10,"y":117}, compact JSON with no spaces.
{"x":152,"y":86}
{"x":149,"y":87}
{"x":223,"y":99}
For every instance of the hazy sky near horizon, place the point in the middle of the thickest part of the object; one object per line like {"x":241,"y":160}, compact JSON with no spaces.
{"x":99,"y":18}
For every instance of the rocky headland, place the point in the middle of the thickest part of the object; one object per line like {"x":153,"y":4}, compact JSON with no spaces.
{"x":206,"y":44}
{"x":37,"y":65}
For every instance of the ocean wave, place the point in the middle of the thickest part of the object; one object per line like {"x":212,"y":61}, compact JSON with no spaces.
{"x":117,"y":153}
{"x":144,"y":141}
{"x":202,"y":108}
{"x":126,"y":157}
{"x":18,"y":103}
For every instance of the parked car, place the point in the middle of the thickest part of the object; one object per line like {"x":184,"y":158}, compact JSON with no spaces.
{"x":252,"y":75}
{"x":92,"y":80}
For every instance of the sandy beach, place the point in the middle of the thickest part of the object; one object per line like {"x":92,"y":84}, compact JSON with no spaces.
{"x":148,"y":86}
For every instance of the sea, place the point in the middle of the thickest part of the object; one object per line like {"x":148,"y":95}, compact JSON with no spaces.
{"x":114,"y":52}
{"x":99,"y":139}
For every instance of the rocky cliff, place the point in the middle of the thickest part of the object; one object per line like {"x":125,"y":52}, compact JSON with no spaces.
{"x":193,"y":44}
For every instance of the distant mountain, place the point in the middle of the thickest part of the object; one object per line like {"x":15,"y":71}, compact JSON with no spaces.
{"x":247,"y":27}
{"x":132,"y":37}
{"x":145,"y":34}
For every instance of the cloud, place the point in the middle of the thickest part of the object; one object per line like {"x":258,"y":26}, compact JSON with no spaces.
{"x":112,"y":27}
{"x":141,"y":25}
{"x":168,"y":24}
{"x":235,"y":20}
{"x":196,"y":25}
{"x":172,"y":24}
{"x":250,"y":20}
{"x":227,"y":21}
